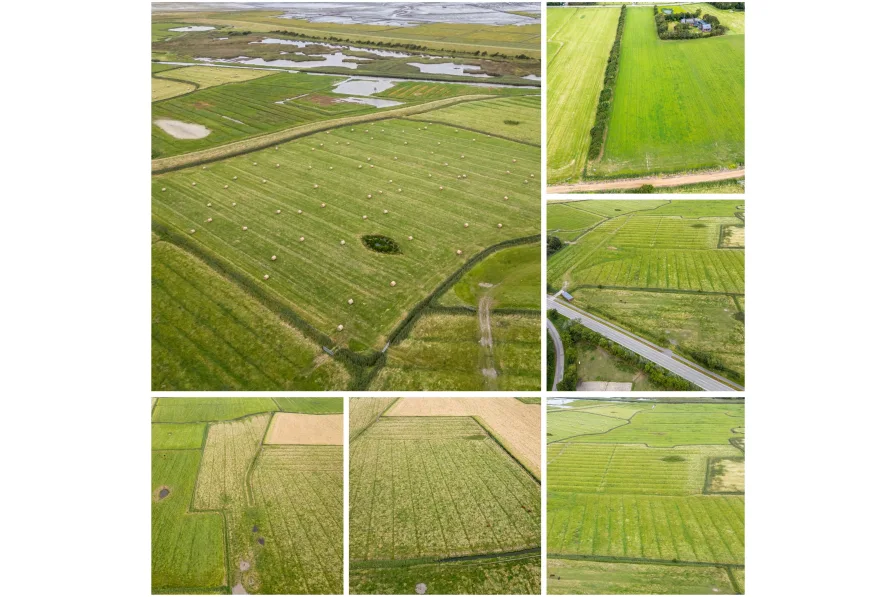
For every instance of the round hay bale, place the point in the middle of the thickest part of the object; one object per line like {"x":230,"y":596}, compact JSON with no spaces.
{"x":339,"y":327}
{"x":353,"y":130}
{"x":300,"y":211}
{"x":392,"y":283}
{"x":209,"y":220}
{"x":348,"y":142}
{"x":441,"y":188}
{"x":312,"y":149}
{"x":371,"y":165}
{"x":507,"y":171}
{"x":462,"y":156}
{"x":525,"y":181}
{"x":233,"y":204}
{"x":331,"y":167}
{"x":192,"y":231}
{"x":164,"y":189}
{"x":463,"y":175}
{"x":369,"y":195}
{"x":399,"y":190}
{"x":395,"y":158}
{"x":328,"y":132}
{"x":379,"y":192}
{"x":226,"y":186}
{"x":342,"y":242}
{"x":390,"y":180}
{"x":405,"y":142}
{"x":466,"y":224}
{"x":323,"y":204}
{"x":321,"y":145}
{"x":203,"y":167}
{"x":366,"y":130}
{"x":234,"y":178}
{"x":276,"y":147}
{"x":532,"y":176}
{"x":368,"y":159}
{"x":266,"y":276}
{"x":315,"y":186}
{"x":192,"y":184}
{"x":351,"y":302}
{"x":429,"y":175}
{"x":278,"y":211}
{"x":385,"y":211}
{"x":500,"y":225}
{"x":254,"y":163}
{"x":363,"y":217}
{"x":301,"y":239}
{"x":410,"y":238}
{"x":360,"y":166}
{"x":264,"y":181}
{"x":459,"y":252}
{"x":514,"y":161}
{"x":245,"y":228}
{"x":273,"y":258}
{"x":276,"y":165}
{"x":505,"y":197}
{"x":208,"y":204}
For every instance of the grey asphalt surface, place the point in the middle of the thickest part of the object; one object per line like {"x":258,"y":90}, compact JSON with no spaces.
{"x":690,"y":371}
{"x":560,"y":359}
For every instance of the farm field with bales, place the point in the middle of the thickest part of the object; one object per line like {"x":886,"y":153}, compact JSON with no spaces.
{"x":444,"y":496}
{"x":646,"y":497}
{"x":339,"y":220}
{"x":226,"y":475}
{"x":669,"y":271}
{"x":670,"y":106}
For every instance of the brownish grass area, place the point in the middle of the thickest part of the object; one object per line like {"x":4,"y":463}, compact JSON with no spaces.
{"x":294,"y":428}
{"x":728,"y":476}
{"x":517,"y":425}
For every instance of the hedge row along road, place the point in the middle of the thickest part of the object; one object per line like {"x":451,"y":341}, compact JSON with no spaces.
{"x":678,"y":365}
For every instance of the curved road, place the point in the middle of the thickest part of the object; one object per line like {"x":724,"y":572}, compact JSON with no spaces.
{"x":559,"y":357}
{"x":656,"y":181}
{"x":690,"y":371}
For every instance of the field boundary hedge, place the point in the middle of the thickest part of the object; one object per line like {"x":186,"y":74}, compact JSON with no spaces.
{"x":605,"y":99}
{"x":661,"y":290}
{"x":244,"y":146}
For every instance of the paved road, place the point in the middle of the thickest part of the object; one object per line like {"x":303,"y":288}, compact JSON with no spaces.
{"x":692,"y":372}
{"x":560,"y":358}
{"x":656,"y":181}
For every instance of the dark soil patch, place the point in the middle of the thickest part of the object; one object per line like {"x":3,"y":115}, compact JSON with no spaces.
{"x":320,"y":100}
{"x":381,"y":244}
{"x":255,"y":529}
{"x":475,"y":437}
{"x":261,"y":540}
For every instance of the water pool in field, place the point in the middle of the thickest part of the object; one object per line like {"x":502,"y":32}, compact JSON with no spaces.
{"x":192,"y":28}
{"x":448,"y":68}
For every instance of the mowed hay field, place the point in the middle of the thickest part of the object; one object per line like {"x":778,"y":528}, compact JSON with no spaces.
{"x":516,"y":118}
{"x":223,"y":509}
{"x":580,"y":40}
{"x":515,"y":423}
{"x":427,"y":489}
{"x":663,"y":270}
{"x":678,"y":105}
{"x":314,"y":274}
{"x":632,"y":507}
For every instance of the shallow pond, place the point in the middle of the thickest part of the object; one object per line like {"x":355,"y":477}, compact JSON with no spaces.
{"x":366,"y":86}
{"x":192,"y":28}
{"x":337,"y":59}
{"x":182,"y":130}
{"x":448,"y":68}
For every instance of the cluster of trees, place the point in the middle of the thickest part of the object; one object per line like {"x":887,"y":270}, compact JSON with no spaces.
{"x":604,"y":102}
{"x":395,"y":44}
{"x":729,"y":5}
{"x":554,"y":245}
{"x":576,"y":336}
{"x":682,"y":30}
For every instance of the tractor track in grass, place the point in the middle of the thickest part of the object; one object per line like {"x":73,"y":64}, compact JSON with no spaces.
{"x":655,"y":181}
{"x":213,"y":154}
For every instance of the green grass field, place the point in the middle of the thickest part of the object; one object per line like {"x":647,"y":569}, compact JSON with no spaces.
{"x":579,"y":42}
{"x":208,"y":334}
{"x":510,"y":277}
{"x":679,"y":105}
{"x":658,"y":270}
{"x":628,"y":510}
{"x":223,"y":514}
{"x":424,"y":490}
{"x":517,"y":118}
{"x":314,"y":274}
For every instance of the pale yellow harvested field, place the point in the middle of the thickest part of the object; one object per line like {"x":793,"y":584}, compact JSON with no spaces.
{"x":730,"y":478}
{"x":210,"y":76}
{"x":518,"y":425}
{"x":165,"y":89}
{"x":295,"y":428}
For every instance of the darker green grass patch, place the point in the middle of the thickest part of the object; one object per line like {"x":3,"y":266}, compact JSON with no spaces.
{"x":673,"y":458}
{"x":512,"y":122}
{"x":381,"y":244}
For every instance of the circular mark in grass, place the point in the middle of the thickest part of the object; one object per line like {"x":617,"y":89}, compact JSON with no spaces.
{"x":381,"y":244}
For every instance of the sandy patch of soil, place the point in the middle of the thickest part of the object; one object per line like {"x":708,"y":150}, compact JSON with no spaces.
{"x":727,"y":475}
{"x":182,"y":130}
{"x":295,"y":428}
{"x":517,"y":424}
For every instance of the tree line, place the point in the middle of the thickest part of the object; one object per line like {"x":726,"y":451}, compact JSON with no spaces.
{"x":576,"y":337}
{"x":683,"y":30}
{"x":604,"y":102}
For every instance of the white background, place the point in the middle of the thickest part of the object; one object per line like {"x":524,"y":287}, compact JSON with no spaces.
{"x":76,"y":297}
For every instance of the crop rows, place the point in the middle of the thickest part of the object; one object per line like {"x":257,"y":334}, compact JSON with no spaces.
{"x":177,"y":436}
{"x":188,"y":410}
{"x":658,"y":428}
{"x":410,"y":91}
{"x":364,"y":411}
{"x":437,"y":487}
{"x":582,"y":577}
{"x":313,"y":271}
{"x":631,"y":469}
{"x":564,"y":424}
{"x":687,"y":529}
{"x":517,"y":118}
